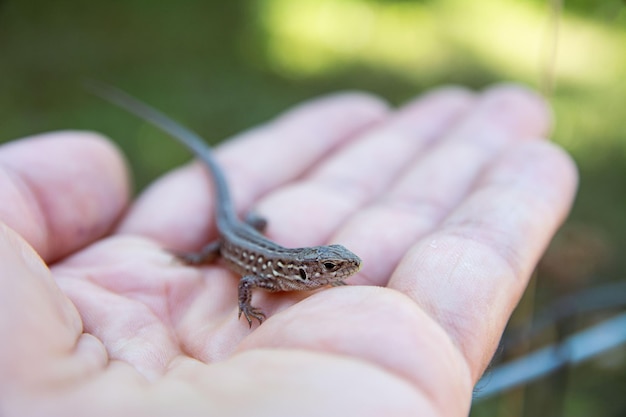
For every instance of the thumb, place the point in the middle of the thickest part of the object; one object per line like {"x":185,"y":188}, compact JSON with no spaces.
{"x":40,"y":329}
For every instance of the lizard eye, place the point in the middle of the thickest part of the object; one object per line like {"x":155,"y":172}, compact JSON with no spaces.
{"x":329,"y":266}
{"x":303,"y":274}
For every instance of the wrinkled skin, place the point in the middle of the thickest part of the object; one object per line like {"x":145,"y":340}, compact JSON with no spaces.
{"x":450,"y":201}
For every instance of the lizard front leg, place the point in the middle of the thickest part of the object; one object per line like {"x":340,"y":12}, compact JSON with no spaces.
{"x":246,"y":285}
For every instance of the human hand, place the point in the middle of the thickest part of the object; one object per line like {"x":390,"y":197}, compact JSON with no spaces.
{"x":449,"y":201}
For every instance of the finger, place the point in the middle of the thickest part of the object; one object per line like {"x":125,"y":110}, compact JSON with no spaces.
{"x":40,"y":329}
{"x":61,"y":190}
{"x":439,"y":179}
{"x":352,"y":176}
{"x":177,"y":210}
{"x":378,"y":327}
{"x":470,"y":273}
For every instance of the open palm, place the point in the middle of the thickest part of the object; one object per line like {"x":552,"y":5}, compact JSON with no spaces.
{"x":449,"y":201}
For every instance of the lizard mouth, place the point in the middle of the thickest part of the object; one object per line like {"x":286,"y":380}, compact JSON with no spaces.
{"x":349,"y":271}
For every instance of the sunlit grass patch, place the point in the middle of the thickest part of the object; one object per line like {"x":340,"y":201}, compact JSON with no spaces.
{"x":420,"y":41}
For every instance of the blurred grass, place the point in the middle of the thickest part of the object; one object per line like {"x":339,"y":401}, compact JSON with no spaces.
{"x":221,"y":67}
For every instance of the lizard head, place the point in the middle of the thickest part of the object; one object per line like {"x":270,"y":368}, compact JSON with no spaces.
{"x":324,"y":265}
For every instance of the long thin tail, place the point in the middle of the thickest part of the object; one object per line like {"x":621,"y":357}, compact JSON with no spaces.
{"x":180,"y":133}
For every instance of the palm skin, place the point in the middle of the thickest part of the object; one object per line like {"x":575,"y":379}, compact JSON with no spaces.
{"x":449,"y":201}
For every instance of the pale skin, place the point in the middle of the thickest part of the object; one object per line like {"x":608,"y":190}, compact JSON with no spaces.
{"x":449,"y":201}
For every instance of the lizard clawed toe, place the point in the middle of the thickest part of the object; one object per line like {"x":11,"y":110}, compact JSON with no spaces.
{"x":251,"y":312}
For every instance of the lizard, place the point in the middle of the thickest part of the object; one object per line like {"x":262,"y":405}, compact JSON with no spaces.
{"x":260,"y":262}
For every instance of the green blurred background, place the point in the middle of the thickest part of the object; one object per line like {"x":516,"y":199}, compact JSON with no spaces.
{"x":224,"y":66}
